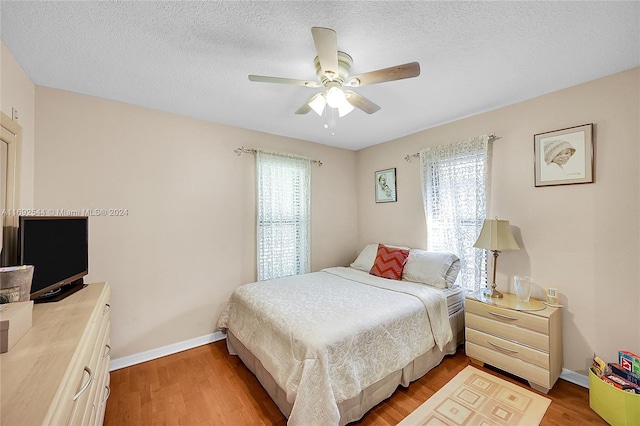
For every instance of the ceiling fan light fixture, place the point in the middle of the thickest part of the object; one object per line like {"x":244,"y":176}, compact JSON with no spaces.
{"x":318,"y":103}
{"x":345,"y":108}
{"x":335,"y":97}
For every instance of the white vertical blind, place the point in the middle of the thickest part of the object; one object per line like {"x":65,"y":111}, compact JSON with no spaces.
{"x":284,"y":201}
{"x":454,"y":189}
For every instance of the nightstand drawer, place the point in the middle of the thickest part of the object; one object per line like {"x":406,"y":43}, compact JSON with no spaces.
{"x":527,"y":371}
{"x":509,"y":348}
{"x":509,"y":316}
{"x":508,"y":331}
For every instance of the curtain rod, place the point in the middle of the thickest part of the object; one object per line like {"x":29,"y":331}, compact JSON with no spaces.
{"x":417,"y":154}
{"x":243,"y":150}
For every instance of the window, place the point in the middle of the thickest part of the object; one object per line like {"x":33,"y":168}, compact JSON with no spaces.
{"x":283,"y":190}
{"x":454,"y":193}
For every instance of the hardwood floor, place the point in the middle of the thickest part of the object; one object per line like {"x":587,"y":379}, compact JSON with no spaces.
{"x":207,"y":386}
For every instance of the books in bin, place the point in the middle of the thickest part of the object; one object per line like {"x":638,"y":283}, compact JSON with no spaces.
{"x":616,"y":376}
{"x":626,"y":375}
{"x":629,"y":361}
{"x":620,"y":383}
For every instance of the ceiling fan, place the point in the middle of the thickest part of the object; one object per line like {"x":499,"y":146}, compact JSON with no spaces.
{"x":332,"y":69}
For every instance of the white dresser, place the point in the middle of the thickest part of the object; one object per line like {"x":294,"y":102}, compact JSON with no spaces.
{"x":526,"y":343}
{"x":58,"y":373}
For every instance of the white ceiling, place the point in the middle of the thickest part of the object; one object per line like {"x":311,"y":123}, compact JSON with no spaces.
{"x":193,"y":58}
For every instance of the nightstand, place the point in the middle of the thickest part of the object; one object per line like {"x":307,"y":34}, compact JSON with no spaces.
{"x":522,"y":339}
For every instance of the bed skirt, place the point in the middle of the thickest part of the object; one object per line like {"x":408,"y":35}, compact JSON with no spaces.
{"x":354,"y":408}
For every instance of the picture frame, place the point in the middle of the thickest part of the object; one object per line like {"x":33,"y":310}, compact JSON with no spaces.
{"x":385,"y":184}
{"x":564,"y":157}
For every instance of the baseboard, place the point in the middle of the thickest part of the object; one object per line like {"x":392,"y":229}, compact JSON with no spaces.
{"x":575,"y":378}
{"x":130,"y":360}
{"x":127,"y":361}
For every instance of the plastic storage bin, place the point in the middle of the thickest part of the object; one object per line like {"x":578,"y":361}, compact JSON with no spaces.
{"x":615,"y":406}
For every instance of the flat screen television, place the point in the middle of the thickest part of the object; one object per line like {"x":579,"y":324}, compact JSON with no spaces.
{"x":58,"y":248}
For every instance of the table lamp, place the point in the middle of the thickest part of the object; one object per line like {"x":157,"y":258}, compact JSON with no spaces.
{"x":495,"y":236}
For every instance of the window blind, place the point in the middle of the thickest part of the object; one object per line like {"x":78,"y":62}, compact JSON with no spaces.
{"x":283,"y":200}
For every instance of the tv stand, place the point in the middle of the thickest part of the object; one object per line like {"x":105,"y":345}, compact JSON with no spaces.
{"x":65,"y":290}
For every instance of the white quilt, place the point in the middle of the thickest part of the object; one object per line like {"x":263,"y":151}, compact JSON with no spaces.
{"x":325,"y":336}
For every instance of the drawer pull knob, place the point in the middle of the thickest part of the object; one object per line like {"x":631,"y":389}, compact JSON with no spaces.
{"x":107,"y":308}
{"x":86,"y":385}
{"x":503,"y":348}
{"x":108,"y":348}
{"x":502,"y":316}
{"x":108,"y":394}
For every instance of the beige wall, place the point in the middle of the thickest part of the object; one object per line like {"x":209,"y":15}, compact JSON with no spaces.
{"x":17,"y":91}
{"x":581,"y":239}
{"x":188,"y":239}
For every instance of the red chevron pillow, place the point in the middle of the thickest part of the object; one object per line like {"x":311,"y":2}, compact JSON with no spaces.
{"x":389,"y":262}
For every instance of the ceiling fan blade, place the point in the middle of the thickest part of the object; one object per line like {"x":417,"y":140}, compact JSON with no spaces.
{"x":361,"y":102}
{"x":307,"y":106}
{"x":281,"y":80}
{"x":304,"y":109}
{"x":398,"y":72}
{"x":326,"y":42}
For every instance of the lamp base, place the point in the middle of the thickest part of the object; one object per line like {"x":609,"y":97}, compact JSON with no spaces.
{"x":492,"y":292}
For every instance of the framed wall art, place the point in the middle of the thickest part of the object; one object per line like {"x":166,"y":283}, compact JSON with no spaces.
{"x":564,"y":157}
{"x":386,"y":186}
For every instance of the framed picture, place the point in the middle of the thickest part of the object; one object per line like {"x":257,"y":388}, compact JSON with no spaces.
{"x":386,"y":186}
{"x":564,"y":157}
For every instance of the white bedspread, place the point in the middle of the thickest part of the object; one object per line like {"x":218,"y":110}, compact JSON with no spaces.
{"x":325,"y":336}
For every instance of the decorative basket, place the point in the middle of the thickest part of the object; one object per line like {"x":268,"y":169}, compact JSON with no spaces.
{"x":15,"y":283}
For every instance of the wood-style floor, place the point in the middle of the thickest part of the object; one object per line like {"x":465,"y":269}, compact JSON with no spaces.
{"x":207,"y":386}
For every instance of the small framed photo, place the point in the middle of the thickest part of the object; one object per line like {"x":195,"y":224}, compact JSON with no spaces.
{"x":386,"y":186}
{"x":564,"y":157}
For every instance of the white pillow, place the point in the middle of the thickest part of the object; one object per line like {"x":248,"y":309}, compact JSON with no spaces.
{"x":431,"y":268}
{"x":452,"y":273}
{"x":367,"y":256}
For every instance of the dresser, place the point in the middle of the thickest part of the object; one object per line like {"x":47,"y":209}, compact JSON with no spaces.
{"x":518,"y":338}
{"x":58,"y":373}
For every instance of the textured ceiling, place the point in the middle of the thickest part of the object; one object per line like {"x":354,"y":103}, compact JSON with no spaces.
{"x":193,"y":58}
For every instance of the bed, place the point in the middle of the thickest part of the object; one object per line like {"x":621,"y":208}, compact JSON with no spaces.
{"x":329,"y":345}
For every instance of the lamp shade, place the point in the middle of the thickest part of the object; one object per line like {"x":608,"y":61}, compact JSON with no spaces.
{"x":496,"y":235}
{"x":317,"y":103}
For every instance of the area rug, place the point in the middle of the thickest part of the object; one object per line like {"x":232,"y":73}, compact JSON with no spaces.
{"x":476,"y":398}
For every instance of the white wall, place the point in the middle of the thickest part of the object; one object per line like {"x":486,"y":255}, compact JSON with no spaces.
{"x":581,"y":239}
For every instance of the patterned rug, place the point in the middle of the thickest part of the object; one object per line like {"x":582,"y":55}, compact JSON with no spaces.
{"x":477,"y":398}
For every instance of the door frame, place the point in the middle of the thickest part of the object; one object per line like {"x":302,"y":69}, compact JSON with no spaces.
{"x":11,"y":134}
